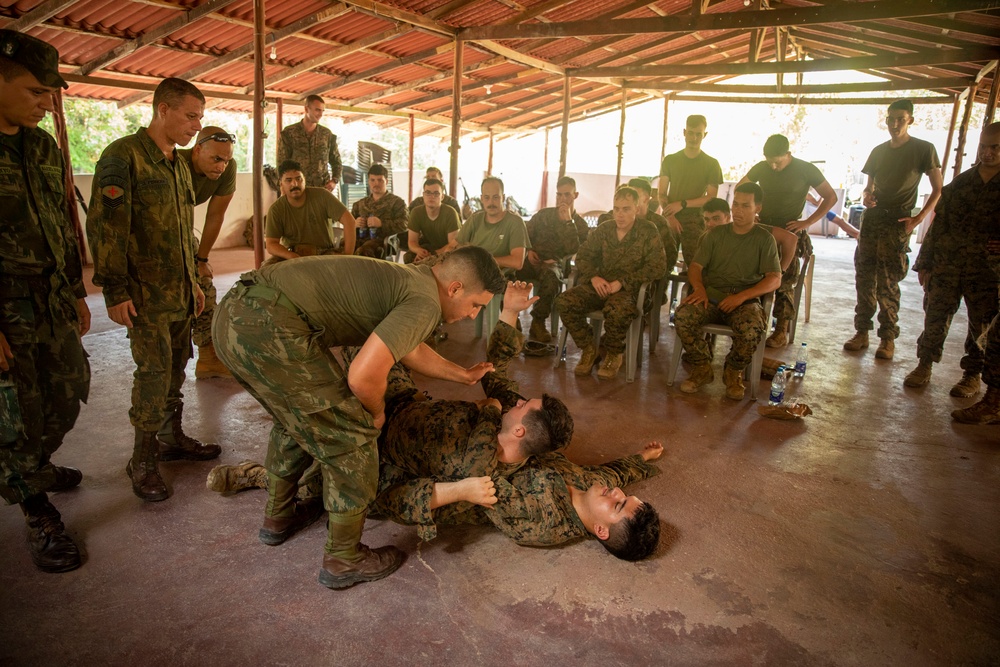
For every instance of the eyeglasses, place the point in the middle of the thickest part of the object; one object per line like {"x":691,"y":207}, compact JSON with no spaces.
{"x":223,"y":137}
{"x":428,"y":193}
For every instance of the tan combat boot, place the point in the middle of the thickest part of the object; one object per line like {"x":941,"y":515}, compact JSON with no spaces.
{"x":231,"y":479}
{"x":347,"y":561}
{"x":780,"y":336}
{"x":886,"y":349}
{"x":859,"y":341}
{"x":539,"y":332}
{"x":610,"y":366}
{"x":701,"y":375}
{"x":920,"y":375}
{"x":968,"y":386}
{"x":986,"y":411}
{"x":588,"y":357}
{"x":283,"y":515}
{"x":208,"y":365}
{"x":734,"y":383}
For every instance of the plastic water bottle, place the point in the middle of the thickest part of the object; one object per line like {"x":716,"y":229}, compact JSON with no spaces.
{"x":778,"y":383}
{"x":800,"y":361}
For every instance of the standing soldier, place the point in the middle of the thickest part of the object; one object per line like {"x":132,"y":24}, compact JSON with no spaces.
{"x":381,"y":214}
{"x":955,"y":262}
{"x":44,"y":372}
{"x":213,"y":173}
{"x":880,"y":261}
{"x":313,"y":146}
{"x":141,"y":231}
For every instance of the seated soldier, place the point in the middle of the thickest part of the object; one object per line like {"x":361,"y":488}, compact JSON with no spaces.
{"x":736,"y":264}
{"x":715,"y":212}
{"x":300,"y":222}
{"x":612,"y":264}
{"x":379,"y":215}
{"x":446,"y":199}
{"x":496,"y":229}
{"x":668,"y":237}
{"x":554,"y":236}
{"x":432,"y":227}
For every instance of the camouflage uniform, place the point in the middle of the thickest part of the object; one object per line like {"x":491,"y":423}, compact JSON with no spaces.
{"x":40,"y":282}
{"x":991,"y":365}
{"x":746,"y":321}
{"x":668,"y":237}
{"x":316,"y":153}
{"x":784,"y":296}
{"x":692,"y":229}
{"x":954,"y":254}
{"x":552,"y":239}
{"x":141,"y":230}
{"x":633,"y":260}
{"x":880,"y":263}
{"x":391,"y":210}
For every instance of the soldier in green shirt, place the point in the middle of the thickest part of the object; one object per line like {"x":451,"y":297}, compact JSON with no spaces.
{"x":44,"y":374}
{"x":499,"y":231}
{"x":432,"y":227}
{"x":213,"y":173}
{"x":141,"y":230}
{"x":446,"y":199}
{"x":274,"y":331}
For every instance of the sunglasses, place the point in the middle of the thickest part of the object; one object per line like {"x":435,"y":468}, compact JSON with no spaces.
{"x":218,"y":136}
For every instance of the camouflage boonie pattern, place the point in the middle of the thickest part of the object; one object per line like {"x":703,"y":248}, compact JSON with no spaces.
{"x":40,"y":282}
{"x":161,"y":350}
{"x":317,"y":154}
{"x":692,"y":228}
{"x":391,"y":210}
{"x":634,"y":260}
{"x":959,"y":265}
{"x":880,"y":262}
{"x":201,"y":330}
{"x":747,"y":322}
{"x":784,"y":296}
{"x":991,"y":366}
{"x":274,"y":354}
{"x":552,"y":239}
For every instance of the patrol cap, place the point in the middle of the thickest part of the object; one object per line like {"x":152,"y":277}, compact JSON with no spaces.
{"x":38,"y":57}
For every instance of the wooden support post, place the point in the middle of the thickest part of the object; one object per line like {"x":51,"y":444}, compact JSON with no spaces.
{"x":964,"y":129}
{"x":258,"y":132}
{"x":621,"y":139}
{"x":278,"y":122}
{"x":951,"y":133}
{"x":543,"y":198}
{"x":456,"y":117}
{"x":564,"y":139}
{"x":62,"y":137}
{"x":489,"y":159}
{"x":663,"y":144}
{"x":410,"y":180}
{"x":991,"y":101}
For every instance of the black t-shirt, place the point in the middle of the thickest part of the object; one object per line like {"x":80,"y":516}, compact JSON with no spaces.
{"x":785,"y":191}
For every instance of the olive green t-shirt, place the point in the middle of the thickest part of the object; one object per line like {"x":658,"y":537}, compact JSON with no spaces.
{"x":204,"y":187}
{"x":311,"y":224}
{"x":433,"y":233}
{"x":689,"y":177}
{"x":498,"y":238}
{"x":784,"y":191}
{"x":346,"y":299}
{"x":733,"y":262}
{"x":897,"y":171}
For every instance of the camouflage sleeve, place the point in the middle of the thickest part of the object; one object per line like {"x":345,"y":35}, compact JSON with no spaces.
{"x":109,"y":222}
{"x":925,"y":258}
{"x":336,"y":167}
{"x":624,"y":471}
{"x":505,"y":344}
{"x":529,"y":513}
{"x":72,"y":261}
{"x":569,"y":240}
{"x":408,"y":501}
{"x":284,"y":147}
{"x":653,"y":264}
{"x":394,"y":221}
{"x":480,"y":454}
{"x":588,"y":258}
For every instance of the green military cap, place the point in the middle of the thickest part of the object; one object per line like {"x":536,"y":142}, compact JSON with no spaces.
{"x":38,"y":57}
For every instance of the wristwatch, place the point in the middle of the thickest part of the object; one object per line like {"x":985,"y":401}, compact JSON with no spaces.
{"x":684,"y":204}
{"x":203,"y":260}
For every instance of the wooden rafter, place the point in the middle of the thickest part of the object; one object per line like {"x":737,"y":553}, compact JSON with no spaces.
{"x":381,"y":69}
{"x":809,"y":89}
{"x":38,"y":15}
{"x":410,"y":85}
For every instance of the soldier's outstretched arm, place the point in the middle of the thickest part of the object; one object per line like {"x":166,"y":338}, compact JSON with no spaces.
{"x":428,"y":362}
{"x":628,"y":469}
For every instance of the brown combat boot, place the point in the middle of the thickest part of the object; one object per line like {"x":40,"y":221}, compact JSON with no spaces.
{"x":347,"y":561}
{"x":588,"y":357}
{"x":920,"y":375}
{"x":968,"y":386}
{"x":701,"y":375}
{"x":283,"y":516}
{"x":859,"y":341}
{"x":232,"y":479}
{"x":734,"y":383}
{"x":780,"y":336}
{"x":175,"y":445}
{"x":66,"y":478}
{"x":886,"y":348}
{"x":142,"y":468}
{"x":539,"y":332}
{"x":209,"y":365}
{"x":610,"y":366}
{"x":52,"y":550}
{"x":986,"y":411}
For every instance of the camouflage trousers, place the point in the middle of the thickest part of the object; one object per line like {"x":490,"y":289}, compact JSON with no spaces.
{"x":547,"y":285}
{"x":880,"y":263}
{"x":991,"y":365}
{"x":50,"y":376}
{"x":277,"y":357}
{"x":784,"y":297}
{"x":943,"y":292}
{"x":692,"y":228}
{"x":161,"y":350}
{"x":201,"y":330}
{"x":619,"y":311}
{"x":746,"y":321}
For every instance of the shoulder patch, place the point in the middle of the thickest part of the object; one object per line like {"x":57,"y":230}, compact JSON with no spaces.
{"x":112,"y":171}
{"x":112,"y":196}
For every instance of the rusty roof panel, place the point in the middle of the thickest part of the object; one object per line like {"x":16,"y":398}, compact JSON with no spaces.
{"x":303,"y":83}
{"x":350,"y":27}
{"x":158,"y":62}
{"x":211,"y":35}
{"x":358,"y":89}
{"x":278,"y":13}
{"x":410,"y":43}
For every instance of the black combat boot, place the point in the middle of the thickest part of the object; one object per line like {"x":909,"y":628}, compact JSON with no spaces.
{"x":52,"y":550}
{"x":142,"y":469}
{"x":175,"y":445}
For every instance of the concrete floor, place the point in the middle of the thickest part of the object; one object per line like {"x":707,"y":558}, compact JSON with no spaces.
{"x":866,"y":534}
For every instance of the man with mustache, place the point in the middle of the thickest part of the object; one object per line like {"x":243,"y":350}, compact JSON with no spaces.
{"x":141,"y":230}
{"x":502,"y":233}
{"x":300,"y":222}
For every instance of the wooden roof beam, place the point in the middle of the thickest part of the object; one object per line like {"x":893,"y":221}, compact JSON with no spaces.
{"x":943,"y":24}
{"x":943,"y":99}
{"x":440,"y":76}
{"x":808,"y":89}
{"x":39,"y":14}
{"x":381,"y":69}
{"x":384,"y":11}
{"x":477,"y":84}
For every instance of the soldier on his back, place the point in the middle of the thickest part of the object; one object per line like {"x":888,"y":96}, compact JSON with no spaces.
{"x":312,"y":146}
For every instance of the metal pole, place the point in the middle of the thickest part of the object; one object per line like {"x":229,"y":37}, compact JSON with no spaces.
{"x":964,"y":129}
{"x":489,"y":160}
{"x":411,"y":159}
{"x":621,"y":140}
{"x":456,"y":117}
{"x":951,"y":133}
{"x":278,"y":123}
{"x":564,"y":139}
{"x":663,"y":144}
{"x":258,"y":132}
{"x":59,"y":122}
